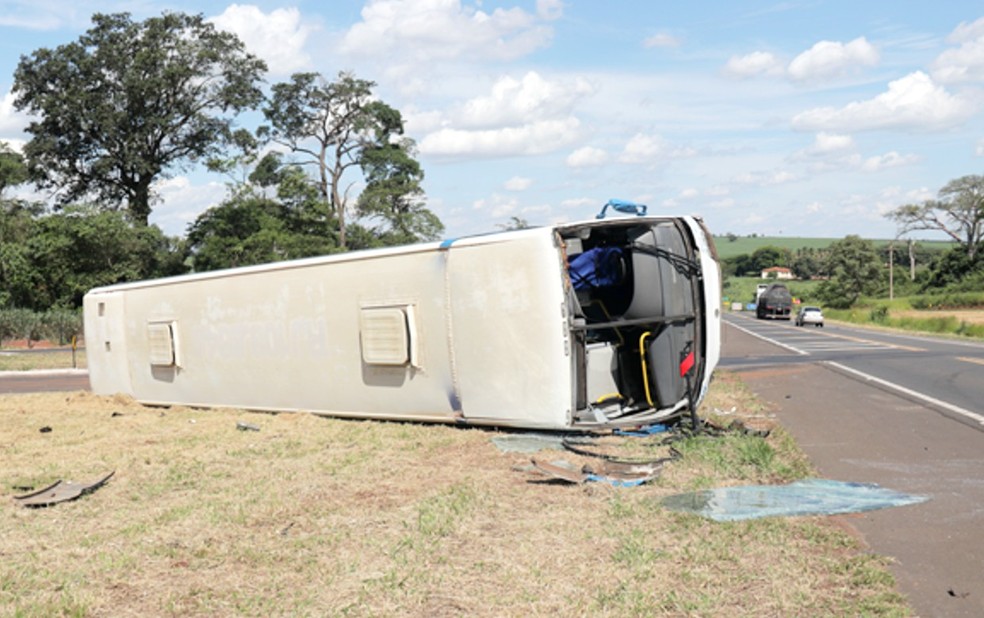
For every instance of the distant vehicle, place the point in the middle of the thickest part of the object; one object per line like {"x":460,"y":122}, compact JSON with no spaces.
{"x":775,"y":303}
{"x":759,"y":289}
{"x":809,"y":315}
{"x":602,"y":323}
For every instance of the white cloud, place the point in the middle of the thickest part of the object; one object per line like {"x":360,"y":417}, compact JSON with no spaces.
{"x":661,"y":39}
{"x":518,"y":183}
{"x":814,"y":207}
{"x":832,"y":58}
{"x":912,"y":102}
{"x":887,"y":160}
{"x":980,"y":147}
{"x":967,"y":32}
{"x":581,"y":203}
{"x":965,"y":63}
{"x":182,"y":202}
{"x":521,"y":117}
{"x":277,"y":37}
{"x":497,"y":206}
{"x":17,"y":145}
{"x":689,"y":193}
{"x":765,"y":179}
{"x":587,"y":157}
{"x":535,"y":138}
{"x":755,"y":63}
{"x":11,"y":121}
{"x":549,"y":9}
{"x":515,"y":101}
{"x":831,"y":142}
{"x":445,"y":29}
{"x":651,"y":149}
{"x":829,"y":151}
{"x":17,"y":19}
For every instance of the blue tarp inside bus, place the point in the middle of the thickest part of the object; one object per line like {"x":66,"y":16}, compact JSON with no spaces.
{"x":596,"y":268}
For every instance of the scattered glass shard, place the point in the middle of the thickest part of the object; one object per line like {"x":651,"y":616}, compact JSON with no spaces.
{"x":806,"y":497}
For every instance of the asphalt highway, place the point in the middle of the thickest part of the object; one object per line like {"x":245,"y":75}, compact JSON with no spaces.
{"x":900,"y":411}
{"x":43,"y":381}
{"x":945,"y":373}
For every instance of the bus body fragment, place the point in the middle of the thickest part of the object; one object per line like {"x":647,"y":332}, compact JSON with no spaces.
{"x":574,"y":326}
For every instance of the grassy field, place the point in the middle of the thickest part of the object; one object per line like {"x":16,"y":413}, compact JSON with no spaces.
{"x":312,"y":516}
{"x":747,"y":245}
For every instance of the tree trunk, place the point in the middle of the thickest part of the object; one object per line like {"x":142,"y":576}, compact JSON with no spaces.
{"x":912,"y":260}
{"x":139,"y":204}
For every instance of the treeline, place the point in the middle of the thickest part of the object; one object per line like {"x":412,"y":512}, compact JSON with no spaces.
{"x":852,"y":268}
{"x":57,"y":325}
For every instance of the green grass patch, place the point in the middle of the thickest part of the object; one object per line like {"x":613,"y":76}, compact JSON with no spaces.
{"x":899,"y":314}
{"x":746,"y":245}
{"x":949,"y":300}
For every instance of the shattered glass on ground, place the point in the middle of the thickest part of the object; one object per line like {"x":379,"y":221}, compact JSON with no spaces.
{"x":807,"y":497}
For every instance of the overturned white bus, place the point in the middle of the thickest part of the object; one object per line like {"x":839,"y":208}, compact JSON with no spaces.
{"x":610,"y":322}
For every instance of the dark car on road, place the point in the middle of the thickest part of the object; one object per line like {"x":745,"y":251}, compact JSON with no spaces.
{"x":775,"y":303}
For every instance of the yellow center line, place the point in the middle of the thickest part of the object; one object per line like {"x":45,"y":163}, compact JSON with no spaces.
{"x":968,"y":359}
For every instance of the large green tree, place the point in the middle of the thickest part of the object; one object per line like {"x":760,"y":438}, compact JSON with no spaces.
{"x":13,"y":169}
{"x":393,"y":196}
{"x":130,"y":102}
{"x":331,"y":125}
{"x":18,"y":279}
{"x":251,"y":228}
{"x":50,"y":260}
{"x":958,"y":212}
{"x":855,"y":270}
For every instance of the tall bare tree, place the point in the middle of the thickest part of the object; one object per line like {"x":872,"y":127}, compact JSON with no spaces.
{"x":331,"y":124}
{"x":958,"y":212}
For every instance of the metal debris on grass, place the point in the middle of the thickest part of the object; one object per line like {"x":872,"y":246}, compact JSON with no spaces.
{"x":60,"y":491}
{"x":618,"y":475}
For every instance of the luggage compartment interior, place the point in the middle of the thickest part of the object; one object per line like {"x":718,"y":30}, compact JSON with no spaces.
{"x":634,"y":299}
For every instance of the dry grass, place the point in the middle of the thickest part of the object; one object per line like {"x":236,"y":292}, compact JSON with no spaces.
{"x":11,"y":360}
{"x":970,"y":316}
{"x":323,"y":517}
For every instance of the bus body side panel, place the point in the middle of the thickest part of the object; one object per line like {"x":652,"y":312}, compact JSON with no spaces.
{"x":291,"y":339}
{"x":510,"y":331}
{"x":106,"y":343}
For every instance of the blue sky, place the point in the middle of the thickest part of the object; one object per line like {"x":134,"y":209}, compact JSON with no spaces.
{"x":797,"y":118}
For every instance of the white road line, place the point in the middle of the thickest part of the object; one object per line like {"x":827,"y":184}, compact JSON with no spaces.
{"x":772,"y":341}
{"x":908,"y":391}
